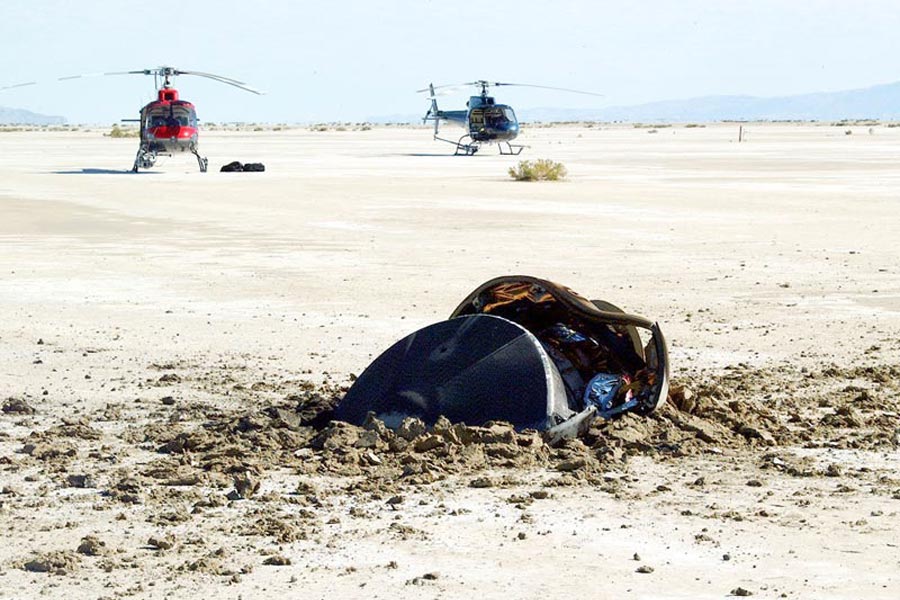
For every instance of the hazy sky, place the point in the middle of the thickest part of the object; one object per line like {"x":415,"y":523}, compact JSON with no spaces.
{"x":347,"y":60}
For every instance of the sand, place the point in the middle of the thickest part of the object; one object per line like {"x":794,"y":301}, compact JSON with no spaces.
{"x":136,"y":308}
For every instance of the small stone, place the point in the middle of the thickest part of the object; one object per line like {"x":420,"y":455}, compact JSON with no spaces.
{"x":91,"y":546}
{"x":80,"y":481}
{"x":739,"y":591}
{"x":167,"y":400}
{"x":482,"y":482}
{"x":411,"y":428}
{"x":754,"y":483}
{"x":17,"y":406}
{"x":277,"y":561}
{"x":726,"y":557}
{"x":644,"y":569}
{"x":165,"y":542}
{"x":245,"y":485}
{"x":636,"y":557}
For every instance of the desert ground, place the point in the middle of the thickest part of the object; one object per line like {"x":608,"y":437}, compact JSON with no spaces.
{"x":166,"y":335}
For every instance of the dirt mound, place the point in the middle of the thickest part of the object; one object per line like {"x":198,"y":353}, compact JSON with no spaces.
{"x":740,"y":409}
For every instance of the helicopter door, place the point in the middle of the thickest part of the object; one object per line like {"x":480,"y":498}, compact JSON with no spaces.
{"x":476,"y":119}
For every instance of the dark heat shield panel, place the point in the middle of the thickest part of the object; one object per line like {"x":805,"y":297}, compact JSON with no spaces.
{"x":470,"y":369}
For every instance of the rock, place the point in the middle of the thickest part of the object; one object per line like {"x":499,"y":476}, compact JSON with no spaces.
{"x":429,"y":442}
{"x":60,"y":562}
{"x":367,"y":439}
{"x":482,"y":482}
{"x":571,"y":464}
{"x":50,"y":451}
{"x":127,"y":490}
{"x":644,"y":569}
{"x":336,"y":436}
{"x":245,"y":485}
{"x":739,"y":591}
{"x":284,"y":418}
{"x":411,"y":428}
{"x":91,"y":546}
{"x":17,"y":406}
{"x":165,"y":542}
{"x":683,"y":399}
{"x":277,"y":561}
{"x":80,"y":481}
{"x":170,"y":378}
{"x":167,"y":400}
{"x":372,"y":423}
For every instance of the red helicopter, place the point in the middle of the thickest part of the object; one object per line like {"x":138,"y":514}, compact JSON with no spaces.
{"x":169,"y":124}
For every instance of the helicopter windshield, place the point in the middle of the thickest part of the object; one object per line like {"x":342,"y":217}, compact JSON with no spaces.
{"x":176,"y":116}
{"x":184,"y":117}
{"x":499,"y":117}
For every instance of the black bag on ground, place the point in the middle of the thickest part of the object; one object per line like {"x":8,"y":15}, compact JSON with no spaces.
{"x":255,"y":167}
{"x":232,"y":167}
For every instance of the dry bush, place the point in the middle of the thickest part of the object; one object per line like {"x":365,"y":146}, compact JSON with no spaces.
{"x":542,"y":169}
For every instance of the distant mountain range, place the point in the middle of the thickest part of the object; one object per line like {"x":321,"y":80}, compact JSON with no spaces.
{"x":880,"y":102}
{"x":19,"y":116}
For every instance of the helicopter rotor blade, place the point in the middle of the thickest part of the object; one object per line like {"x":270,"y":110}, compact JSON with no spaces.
{"x":448,"y":86}
{"x":211,"y":75}
{"x":546,"y":87}
{"x":18,"y":85}
{"x":486,"y":84}
{"x":232,"y":82}
{"x":165,"y":71}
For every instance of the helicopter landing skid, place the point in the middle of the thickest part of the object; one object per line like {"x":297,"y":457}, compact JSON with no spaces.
{"x":203,"y":162}
{"x":511,"y":149}
{"x":145,"y":159}
{"x":461,"y":148}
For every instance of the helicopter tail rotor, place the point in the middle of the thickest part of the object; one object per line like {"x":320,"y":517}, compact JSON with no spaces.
{"x":434,"y":109}
{"x":433,"y":113}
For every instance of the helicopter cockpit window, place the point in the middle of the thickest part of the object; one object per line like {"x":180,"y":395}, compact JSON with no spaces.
{"x":509,"y":114}
{"x":183,"y":117}
{"x":496,"y":117}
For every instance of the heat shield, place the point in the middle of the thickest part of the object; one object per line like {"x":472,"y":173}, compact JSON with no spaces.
{"x":471,"y":369}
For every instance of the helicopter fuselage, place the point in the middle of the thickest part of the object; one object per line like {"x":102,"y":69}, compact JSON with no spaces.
{"x":485,"y":120}
{"x":168,"y":125}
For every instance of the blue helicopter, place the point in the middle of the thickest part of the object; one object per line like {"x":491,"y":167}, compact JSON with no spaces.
{"x":485,"y":121}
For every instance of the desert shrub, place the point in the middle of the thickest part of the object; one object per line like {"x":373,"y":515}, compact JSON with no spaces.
{"x":542,"y":169}
{"x":122,"y":132}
